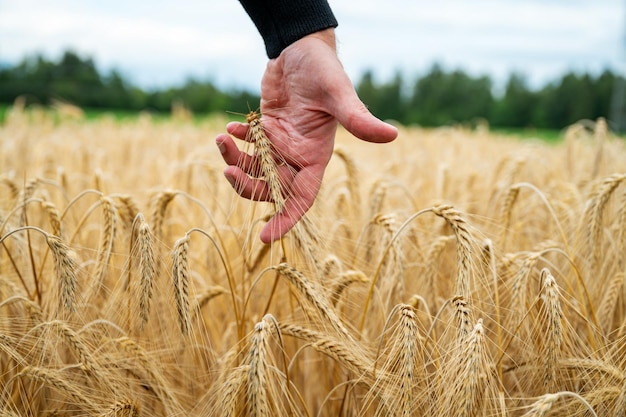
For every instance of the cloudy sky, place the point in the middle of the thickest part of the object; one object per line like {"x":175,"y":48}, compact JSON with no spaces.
{"x":161,"y":43}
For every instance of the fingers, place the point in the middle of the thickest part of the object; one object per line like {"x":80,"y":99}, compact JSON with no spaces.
{"x":250,"y":188}
{"x":238,"y":130}
{"x":305,"y":186}
{"x":357,"y":119}
{"x":233,"y":156}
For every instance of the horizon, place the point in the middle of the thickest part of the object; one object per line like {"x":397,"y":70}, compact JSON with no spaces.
{"x":163,"y":45}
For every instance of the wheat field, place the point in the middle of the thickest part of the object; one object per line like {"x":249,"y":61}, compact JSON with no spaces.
{"x":453,"y":272}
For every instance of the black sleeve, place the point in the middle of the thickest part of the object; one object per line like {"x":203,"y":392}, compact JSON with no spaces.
{"x":282,"y":22}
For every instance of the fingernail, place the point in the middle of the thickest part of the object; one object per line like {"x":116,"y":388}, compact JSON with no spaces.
{"x":231,"y":126}
{"x":230,"y":178}
{"x":220,"y":145}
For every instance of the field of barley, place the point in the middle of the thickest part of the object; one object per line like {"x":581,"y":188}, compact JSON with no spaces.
{"x":453,"y":272}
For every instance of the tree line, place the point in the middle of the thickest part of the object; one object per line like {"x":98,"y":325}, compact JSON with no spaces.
{"x":76,"y":80}
{"x":446,"y":97}
{"x":437,"y":98}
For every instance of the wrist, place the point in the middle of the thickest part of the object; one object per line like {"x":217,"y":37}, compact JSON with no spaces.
{"x":327,"y":36}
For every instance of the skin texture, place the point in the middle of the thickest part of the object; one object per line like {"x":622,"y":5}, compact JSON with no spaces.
{"x":305,"y":93}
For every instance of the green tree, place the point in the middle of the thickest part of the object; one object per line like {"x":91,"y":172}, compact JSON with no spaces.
{"x":517,"y":106}
{"x":441,"y":98}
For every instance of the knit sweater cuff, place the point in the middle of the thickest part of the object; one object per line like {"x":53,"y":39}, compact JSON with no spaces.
{"x":282,"y":22}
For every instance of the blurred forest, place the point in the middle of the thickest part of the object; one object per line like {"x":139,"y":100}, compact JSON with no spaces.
{"x":439,"y":97}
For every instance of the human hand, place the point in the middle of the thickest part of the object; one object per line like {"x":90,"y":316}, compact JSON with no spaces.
{"x":305,"y":92}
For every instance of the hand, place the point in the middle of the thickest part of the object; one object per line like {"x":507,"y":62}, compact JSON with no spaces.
{"x":305,"y":92}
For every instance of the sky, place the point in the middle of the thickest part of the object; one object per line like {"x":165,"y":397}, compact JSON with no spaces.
{"x":163,"y":43}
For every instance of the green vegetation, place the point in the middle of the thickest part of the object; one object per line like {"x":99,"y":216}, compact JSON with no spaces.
{"x":77,"y":81}
{"x":449,"y":97}
{"x":439,"y":97}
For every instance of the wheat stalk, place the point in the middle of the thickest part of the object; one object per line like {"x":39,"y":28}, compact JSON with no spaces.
{"x":107,"y":237}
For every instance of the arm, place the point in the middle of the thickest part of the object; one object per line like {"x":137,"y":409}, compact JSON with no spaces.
{"x":282,"y":22}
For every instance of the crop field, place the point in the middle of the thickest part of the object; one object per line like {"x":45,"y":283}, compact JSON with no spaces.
{"x":453,"y":272}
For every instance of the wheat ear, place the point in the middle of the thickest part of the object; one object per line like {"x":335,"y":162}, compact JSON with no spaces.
{"x":463,"y":239}
{"x":107,"y":238}
{"x":506,"y":210}
{"x":543,"y":405}
{"x":331,"y":268}
{"x":344,"y":281}
{"x":353,"y":175}
{"x":258,"y":398}
{"x":409,"y":342}
{"x":332,"y":348}
{"x":66,"y":267}
{"x":463,"y":314}
{"x":147,"y":269}
{"x":620,"y":406}
{"x":180,"y":277}
{"x":159,"y":206}
{"x":230,"y":390}
{"x":124,"y":408}
{"x":434,"y":252}
{"x":74,"y":341}
{"x":55,"y":218}
{"x":265,"y":153}
{"x":600,"y":133}
{"x":207,"y":295}
{"x":595,"y":210}
{"x":552,"y":316}
{"x":127,"y":210}
{"x":14,"y":190}
{"x":314,"y":296}
{"x":472,"y":371}
{"x":609,"y":301}
{"x":53,"y":380}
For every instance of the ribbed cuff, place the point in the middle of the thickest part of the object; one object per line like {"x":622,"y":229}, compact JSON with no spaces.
{"x":282,"y":22}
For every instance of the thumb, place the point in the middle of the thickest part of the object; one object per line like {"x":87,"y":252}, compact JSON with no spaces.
{"x":357,"y":119}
